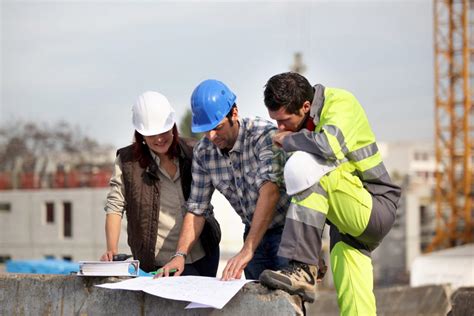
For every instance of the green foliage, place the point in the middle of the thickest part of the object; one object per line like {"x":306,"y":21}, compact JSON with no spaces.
{"x":185,"y":126}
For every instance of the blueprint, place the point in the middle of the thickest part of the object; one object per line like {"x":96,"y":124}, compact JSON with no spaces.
{"x":200,"y":291}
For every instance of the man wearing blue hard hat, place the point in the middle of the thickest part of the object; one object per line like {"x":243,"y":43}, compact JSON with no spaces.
{"x":238,"y":158}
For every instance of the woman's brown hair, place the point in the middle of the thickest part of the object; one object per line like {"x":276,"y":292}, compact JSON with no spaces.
{"x":141,"y":152}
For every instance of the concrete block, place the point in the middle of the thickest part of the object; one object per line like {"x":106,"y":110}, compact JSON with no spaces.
{"x":462,"y":302}
{"x":325,"y":304}
{"x":402,"y":300}
{"x":32,"y":294}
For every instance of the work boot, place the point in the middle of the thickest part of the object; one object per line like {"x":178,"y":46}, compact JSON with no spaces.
{"x":298,"y":278}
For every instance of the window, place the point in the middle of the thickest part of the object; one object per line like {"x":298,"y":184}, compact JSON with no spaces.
{"x":421,"y":156}
{"x":49,"y":212}
{"x":67,"y":208}
{"x":424,"y":215}
{"x":5,"y":207}
{"x":4,"y":258}
{"x":67,"y":258}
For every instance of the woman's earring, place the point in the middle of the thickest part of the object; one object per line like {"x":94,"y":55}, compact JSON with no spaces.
{"x":143,"y":142}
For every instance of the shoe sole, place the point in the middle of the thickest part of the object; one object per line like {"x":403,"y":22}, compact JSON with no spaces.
{"x":308,"y":296}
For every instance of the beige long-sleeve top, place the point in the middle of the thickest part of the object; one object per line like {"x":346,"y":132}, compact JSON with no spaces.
{"x":172,"y":210}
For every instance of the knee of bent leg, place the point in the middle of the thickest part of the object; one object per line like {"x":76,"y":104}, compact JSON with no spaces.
{"x":303,"y":170}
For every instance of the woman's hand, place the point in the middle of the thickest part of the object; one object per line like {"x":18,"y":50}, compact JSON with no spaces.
{"x":108,"y":256}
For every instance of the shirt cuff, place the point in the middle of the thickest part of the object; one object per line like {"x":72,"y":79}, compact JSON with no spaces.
{"x":199,"y":209}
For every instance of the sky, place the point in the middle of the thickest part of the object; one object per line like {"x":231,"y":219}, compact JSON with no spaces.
{"x":86,"y":62}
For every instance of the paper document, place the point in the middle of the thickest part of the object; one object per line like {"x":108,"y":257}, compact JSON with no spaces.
{"x":196,"y":305}
{"x":211,"y":292}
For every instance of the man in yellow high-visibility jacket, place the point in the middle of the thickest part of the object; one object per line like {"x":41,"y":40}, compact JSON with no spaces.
{"x":331,"y":124}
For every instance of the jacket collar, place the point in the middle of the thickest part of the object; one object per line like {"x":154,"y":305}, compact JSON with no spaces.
{"x":239,"y":142}
{"x":155,"y":162}
{"x":318,"y":102}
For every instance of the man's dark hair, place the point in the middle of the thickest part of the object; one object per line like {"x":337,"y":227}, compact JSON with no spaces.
{"x":229,"y":115}
{"x":289,"y":90}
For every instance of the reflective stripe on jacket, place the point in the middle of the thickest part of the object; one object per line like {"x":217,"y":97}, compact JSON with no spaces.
{"x":343,"y":135}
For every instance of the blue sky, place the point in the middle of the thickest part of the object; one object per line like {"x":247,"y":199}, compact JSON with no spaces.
{"x":86,"y":62}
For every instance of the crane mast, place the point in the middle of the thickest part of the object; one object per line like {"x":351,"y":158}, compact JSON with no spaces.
{"x":454,"y":139}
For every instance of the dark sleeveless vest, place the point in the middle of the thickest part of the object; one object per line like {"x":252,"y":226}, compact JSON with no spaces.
{"x":142,"y":196}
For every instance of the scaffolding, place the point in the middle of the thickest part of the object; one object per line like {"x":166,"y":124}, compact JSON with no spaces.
{"x":454,"y":60}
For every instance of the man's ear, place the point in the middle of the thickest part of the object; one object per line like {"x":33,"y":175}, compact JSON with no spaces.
{"x":306,"y":107}
{"x":235,"y":113}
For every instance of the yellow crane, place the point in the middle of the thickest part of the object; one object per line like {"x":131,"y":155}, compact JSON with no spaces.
{"x":454,"y":139}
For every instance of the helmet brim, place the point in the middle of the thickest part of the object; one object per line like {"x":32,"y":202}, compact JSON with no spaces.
{"x":170,"y":121}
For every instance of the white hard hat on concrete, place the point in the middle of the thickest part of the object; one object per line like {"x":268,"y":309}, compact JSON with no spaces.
{"x":153,"y":114}
{"x":303,"y":170}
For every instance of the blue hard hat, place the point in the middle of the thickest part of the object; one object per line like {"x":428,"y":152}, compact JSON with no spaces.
{"x":211,"y":101}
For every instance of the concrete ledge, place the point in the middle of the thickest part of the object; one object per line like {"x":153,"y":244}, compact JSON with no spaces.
{"x":32,"y":294}
{"x":402,"y":300}
{"x":463,"y":302}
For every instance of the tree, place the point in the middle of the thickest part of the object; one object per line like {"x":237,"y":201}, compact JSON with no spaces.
{"x":185,"y":126}
{"x":26,"y":142}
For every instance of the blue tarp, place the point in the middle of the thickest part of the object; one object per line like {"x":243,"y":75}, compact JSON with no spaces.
{"x":43,"y":266}
{"x":47,"y":266}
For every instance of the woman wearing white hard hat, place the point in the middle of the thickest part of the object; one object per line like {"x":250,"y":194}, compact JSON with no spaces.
{"x":151,"y":181}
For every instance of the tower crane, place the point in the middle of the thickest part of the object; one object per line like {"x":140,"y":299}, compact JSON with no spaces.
{"x":454,"y":114}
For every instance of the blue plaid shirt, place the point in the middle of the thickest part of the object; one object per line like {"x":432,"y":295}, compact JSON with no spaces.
{"x":252,"y":161}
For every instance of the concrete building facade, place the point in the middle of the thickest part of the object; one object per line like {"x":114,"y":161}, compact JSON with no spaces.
{"x":69,"y":222}
{"x":59,"y":223}
{"x":412,"y":165}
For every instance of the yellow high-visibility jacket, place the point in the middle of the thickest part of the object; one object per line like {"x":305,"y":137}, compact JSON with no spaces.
{"x":343,"y":135}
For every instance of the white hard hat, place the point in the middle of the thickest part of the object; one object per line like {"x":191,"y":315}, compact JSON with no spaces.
{"x":152,"y":114}
{"x":303,"y":170}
